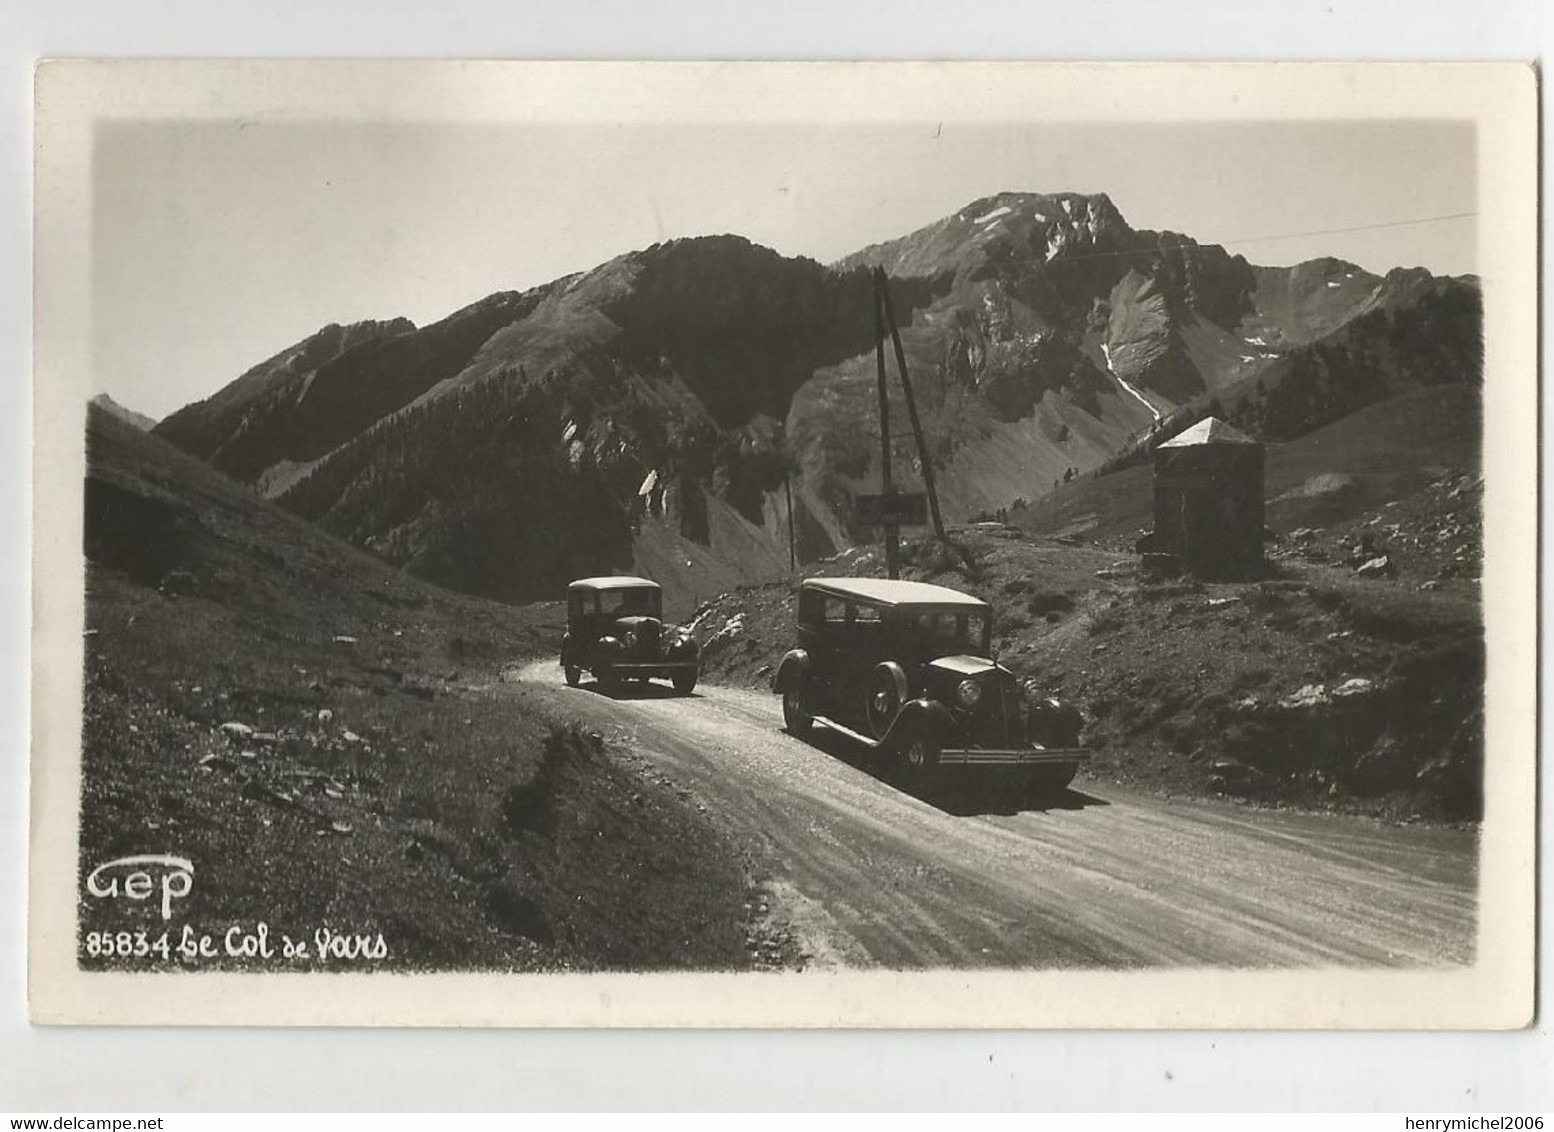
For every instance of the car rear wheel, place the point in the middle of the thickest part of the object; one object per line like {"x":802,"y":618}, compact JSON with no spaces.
{"x":794,"y":717}
{"x":684,"y":682}
{"x":573,"y":674}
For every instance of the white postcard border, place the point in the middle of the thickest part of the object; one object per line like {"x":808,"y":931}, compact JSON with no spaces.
{"x":1496,"y":992}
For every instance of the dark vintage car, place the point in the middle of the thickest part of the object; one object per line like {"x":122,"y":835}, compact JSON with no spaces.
{"x":616,"y":631}
{"x":903,"y":668}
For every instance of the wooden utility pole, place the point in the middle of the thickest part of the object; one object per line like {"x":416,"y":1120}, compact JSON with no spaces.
{"x":787,"y":491}
{"x":925,"y":457}
{"x":892,"y":532}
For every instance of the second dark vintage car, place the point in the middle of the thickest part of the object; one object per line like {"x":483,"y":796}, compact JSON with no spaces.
{"x":616,"y":631}
{"x":904,"y":668}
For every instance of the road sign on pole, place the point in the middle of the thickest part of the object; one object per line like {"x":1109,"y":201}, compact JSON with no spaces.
{"x":898,"y":509}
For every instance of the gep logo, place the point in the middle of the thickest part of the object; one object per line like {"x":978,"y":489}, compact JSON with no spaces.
{"x":141,"y":877}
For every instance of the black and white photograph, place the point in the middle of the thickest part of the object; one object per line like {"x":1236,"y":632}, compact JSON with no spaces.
{"x":741,"y":544}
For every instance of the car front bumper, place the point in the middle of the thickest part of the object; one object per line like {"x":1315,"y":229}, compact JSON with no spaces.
{"x":649,"y":669}
{"x":1029,"y":756}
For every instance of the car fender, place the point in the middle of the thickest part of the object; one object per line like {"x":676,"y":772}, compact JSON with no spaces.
{"x":918,"y":717}
{"x":1055,"y":723}
{"x":687,"y":650}
{"x":792,"y":671}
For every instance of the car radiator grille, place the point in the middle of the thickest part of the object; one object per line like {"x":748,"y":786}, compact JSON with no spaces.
{"x":647,"y":640}
{"x":984,"y":729}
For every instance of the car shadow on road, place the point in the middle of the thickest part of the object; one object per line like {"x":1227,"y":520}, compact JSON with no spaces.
{"x":989,"y":801}
{"x":959,"y":800}
{"x":636,"y":690}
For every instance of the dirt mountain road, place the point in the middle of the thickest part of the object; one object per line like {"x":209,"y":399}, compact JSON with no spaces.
{"x":865,"y":875}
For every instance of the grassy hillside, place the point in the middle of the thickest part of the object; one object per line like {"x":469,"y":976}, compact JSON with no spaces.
{"x":321,"y":735}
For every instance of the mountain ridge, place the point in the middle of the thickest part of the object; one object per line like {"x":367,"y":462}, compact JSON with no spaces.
{"x":1044,"y":336}
{"x":124,"y":412}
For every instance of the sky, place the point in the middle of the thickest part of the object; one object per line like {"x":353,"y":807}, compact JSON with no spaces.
{"x":217,"y":244}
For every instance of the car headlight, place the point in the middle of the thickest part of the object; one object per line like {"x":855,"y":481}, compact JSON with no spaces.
{"x":968,"y":693}
{"x":629,"y":639}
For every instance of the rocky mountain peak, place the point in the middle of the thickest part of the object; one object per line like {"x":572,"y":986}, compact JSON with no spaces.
{"x":1004,"y":227}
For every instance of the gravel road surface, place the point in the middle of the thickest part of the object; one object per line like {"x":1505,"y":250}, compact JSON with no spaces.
{"x":1100,"y":877}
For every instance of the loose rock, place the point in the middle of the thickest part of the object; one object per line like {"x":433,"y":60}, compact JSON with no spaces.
{"x":1379,"y":567}
{"x":1308,"y":695}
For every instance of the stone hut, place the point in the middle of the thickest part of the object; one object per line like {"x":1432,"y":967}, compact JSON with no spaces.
{"x":1209,"y":500}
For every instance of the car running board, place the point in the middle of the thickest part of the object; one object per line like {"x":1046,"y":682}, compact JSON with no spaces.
{"x":855,"y":736}
{"x":971,"y":756}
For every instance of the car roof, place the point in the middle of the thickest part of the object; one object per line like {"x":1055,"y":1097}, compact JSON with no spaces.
{"x":614,"y":582}
{"x":884,"y":591}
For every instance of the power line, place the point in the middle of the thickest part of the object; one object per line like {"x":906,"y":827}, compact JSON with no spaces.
{"x":1355,"y":228}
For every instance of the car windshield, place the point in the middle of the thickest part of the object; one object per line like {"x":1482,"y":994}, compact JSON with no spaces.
{"x":942,"y":632}
{"x":638,"y":602}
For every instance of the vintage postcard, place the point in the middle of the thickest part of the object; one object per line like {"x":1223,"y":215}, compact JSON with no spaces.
{"x":802,"y":545}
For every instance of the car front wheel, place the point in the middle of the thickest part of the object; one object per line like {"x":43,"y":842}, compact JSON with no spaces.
{"x":684,"y":683}
{"x":1049,"y":780}
{"x":882,"y":704}
{"x":919,"y":763}
{"x":573,"y":674}
{"x":794,"y":717}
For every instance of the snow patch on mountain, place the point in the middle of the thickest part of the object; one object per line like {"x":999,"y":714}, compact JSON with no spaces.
{"x":1142,"y":400}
